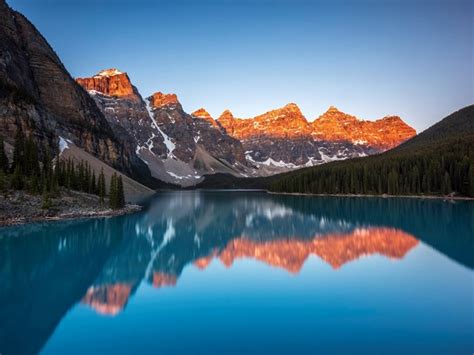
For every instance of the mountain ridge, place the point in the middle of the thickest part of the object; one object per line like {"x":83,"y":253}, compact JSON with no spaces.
{"x":278,"y":140}
{"x":439,"y":161}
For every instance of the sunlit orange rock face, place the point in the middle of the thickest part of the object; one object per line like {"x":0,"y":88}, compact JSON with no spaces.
{"x":333,"y":125}
{"x":161,"y":279}
{"x":204,"y":115}
{"x":108,"y":299}
{"x":385,"y":133}
{"x":110,"y":82}
{"x":158,"y":99}
{"x":287,"y":121}
{"x":335,"y":249}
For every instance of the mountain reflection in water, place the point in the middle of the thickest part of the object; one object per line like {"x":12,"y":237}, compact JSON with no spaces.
{"x":289,"y":254}
{"x":48,"y":268}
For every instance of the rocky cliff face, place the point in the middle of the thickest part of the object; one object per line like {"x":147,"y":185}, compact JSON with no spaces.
{"x":177,"y":147}
{"x":283,"y":139}
{"x":131,"y":118}
{"x":160,"y":100}
{"x":204,"y":115}
{"x":128,"y":115}
{"x":196,"y":140}
{"x":382,"y":134}
{"x":38,"y":95}
{"x":111,"y":82}
{"x":285,"y":122}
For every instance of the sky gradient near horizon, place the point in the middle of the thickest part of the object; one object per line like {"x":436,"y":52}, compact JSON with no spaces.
{"x":368,"y":58}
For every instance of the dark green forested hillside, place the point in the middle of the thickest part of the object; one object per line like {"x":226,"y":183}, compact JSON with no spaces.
{"x":48,"y":175}
{"x":439,"y":161}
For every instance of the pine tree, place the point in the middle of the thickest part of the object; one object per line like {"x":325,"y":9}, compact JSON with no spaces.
{"x":93,"y":186}
{"x":446,"y":184}
{"x":63,"y":173}
{"x":80,"y":176}
{"x":113,"y":196}
{"x":87,"y":179}
{"x":34,"y":184}
{"x":47,"y":171}
{"x":55,"y":184}
{"x":57,"y":174}
{"x":471,"y":180}
{"x":31,"y":161}
{"x":3,"y":181}
{"x":3,"y":157}
{"x":69,"y":174}
{"x":72,"y":176}
{"x":17,"y":179}
{"x":101,"y":187}
{"x":46,"y":199}
{"x":120,"y":193}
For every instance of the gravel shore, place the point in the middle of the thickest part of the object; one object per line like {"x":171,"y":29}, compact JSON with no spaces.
{"x":20,"y":208}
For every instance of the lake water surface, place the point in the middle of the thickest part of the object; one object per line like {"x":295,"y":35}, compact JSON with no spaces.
{"x":244,"y":272}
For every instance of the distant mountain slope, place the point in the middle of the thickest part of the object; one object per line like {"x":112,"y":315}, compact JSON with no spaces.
{"x":459,"y":123}
{"x":282,"y":139}
{"x":38,"y":95}
{"x":439,"y":161}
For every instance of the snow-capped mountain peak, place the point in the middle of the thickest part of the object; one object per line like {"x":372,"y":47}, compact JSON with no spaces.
{"x":109,"y":73}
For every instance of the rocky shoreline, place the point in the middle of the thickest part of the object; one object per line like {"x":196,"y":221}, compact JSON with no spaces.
{"x":19,"y":208}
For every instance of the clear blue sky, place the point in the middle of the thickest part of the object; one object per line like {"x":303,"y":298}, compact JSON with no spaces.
{"x":368,"y":58}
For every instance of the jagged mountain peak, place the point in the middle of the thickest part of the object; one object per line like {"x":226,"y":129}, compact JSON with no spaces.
{"x":159,"y":99}
{"x":226,"y":115}
{"x":204,"y":115}
{"x":391,"y":118}
{"x":228,"y":122}
{"x":382,"y":134}
{"x":334,"y":114}
{"x":285,"y":121}
{"x":292,"y":107}
{"x":288,"y":113}
{"x":201,"y":113}
{"x":332,"y":109}
{"x":109,"y":72}
{"x":110,"y":82}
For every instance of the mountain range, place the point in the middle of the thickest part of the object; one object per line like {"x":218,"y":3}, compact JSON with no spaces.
{"x":181,"y":148}
{"x":438,"y":161}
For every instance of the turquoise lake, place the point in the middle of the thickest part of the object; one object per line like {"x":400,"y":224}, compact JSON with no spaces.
{"x":221,"y":272}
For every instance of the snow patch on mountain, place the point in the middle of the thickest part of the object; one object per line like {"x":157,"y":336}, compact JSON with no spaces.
{"x":167,"y":140}
{"x":326,"y":158}
{"x":108,"y":72}
{"x":64,"y":144}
